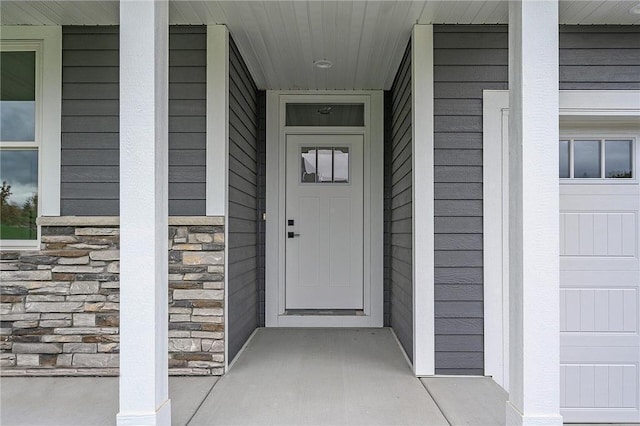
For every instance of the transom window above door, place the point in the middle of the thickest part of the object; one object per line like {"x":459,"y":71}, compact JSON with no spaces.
{"x":597,"y":158}
{"x":324,"y":115}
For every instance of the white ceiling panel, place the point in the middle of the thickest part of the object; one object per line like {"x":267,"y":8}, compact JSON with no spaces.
{"x":279,"y":40}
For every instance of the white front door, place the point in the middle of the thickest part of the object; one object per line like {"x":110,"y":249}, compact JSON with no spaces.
{"x":599,"y":281}
{"x":324,"y":242}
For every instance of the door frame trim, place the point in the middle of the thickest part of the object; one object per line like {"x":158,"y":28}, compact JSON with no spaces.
{"x":373,"y":134}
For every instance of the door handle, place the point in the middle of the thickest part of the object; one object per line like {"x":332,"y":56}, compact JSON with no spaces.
{"x":292,"y":235}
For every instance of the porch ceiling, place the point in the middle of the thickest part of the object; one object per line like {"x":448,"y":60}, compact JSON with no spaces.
{"x":280,"y":40}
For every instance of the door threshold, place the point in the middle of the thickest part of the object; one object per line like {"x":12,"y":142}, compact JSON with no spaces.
{"x":325,"y":312}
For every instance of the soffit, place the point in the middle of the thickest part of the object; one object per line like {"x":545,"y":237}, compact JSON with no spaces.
{"x":279,"y":40}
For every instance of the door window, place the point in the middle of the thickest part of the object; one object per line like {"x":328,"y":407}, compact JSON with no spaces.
{"x":324,"y":164}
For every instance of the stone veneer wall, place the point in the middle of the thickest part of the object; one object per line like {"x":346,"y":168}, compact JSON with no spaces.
{"x":59,"y":306}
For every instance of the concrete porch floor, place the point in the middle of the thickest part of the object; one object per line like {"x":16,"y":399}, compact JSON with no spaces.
{"x":284,"y":377}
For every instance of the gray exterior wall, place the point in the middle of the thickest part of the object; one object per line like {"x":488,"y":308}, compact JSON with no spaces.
{"x":468,"y":59}
{"x":90,"y":123}
{"x":187,"y":120}
{"x":386,"y":275}
{"x":600,"y":57}
{"x":398,"y":160}
{"x":243,"y":204}
{"x":262,"y":198}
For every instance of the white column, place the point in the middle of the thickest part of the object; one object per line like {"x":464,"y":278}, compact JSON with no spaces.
{"x":533,"y":214}
{"x":423,"y":193}
{"x":144,"y":72}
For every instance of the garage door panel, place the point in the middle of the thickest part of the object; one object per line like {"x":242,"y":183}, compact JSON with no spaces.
{"x":601,"y":353}
{"x":598,"y":234}
{"x":599,"y":302}
{"x":594,"y":190}
{"x":600,"y":415}
{"x":571,"y":340}
{"x":599,"y":309}
{"x":585,"y":385}
{"x":585,"y":379}
{"x":599,"y":278}
{"x":597,"y":264}
{"x":599,"y":203}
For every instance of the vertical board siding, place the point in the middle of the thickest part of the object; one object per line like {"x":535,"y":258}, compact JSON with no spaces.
{"x":467,"y":60}
{"x":90,"y":120}
{"x":243,"y":203}
{"x":600,"y":57}
{"x":399,"y":180}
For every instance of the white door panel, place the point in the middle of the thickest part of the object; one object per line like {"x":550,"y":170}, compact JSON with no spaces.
{"x":581,"y":278}
{"x":599,"y":392}
{"x":603,"y":310}
{"x":324,"y":199}
{"x":599,"y":300}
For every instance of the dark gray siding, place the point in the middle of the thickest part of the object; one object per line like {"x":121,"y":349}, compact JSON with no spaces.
{"x":467,"y":59}
{"x":90,"y":124}
{"x":399,"y":163}
{"x":262,"y":207}
{"x":187,"y":120}
{"x":600,"y":57}
{"x":388,"y":113}
{"x":243,"y":203}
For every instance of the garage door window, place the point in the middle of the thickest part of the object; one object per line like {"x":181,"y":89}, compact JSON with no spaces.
{"x":590,"y":158}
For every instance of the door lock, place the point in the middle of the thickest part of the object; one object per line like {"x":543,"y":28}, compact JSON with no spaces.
{"x":292,"y":235}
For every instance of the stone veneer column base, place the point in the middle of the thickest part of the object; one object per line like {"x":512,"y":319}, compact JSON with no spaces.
{"x":59,"y":305}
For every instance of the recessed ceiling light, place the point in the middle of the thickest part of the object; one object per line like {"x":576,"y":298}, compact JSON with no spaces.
{"x":323,"y":63}
{"x":635,"y":10}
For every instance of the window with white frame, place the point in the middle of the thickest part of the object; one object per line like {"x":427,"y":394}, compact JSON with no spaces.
{"x":19,"y":142}
{"x":597,"y":158}
{"x":30,"y":106}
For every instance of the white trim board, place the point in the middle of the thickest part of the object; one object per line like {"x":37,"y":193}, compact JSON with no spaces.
{"x":217,"y":156}
{"x":576,"y":106}
{"x":373,"y":207}
{"x":422,"y":157}
{"x":217,"y":119}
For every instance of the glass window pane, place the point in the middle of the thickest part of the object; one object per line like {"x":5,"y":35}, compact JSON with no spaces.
{"x":341,"y":165}
{"x":617,"y":159}
{"x":19,"y":194}
{"x":308,"y":165}
{"x":325,"y":165}
{"x":564,"y":159}
{"x":325,"y":115}
{"x":17,"y":96}
{"x":586,"y":162}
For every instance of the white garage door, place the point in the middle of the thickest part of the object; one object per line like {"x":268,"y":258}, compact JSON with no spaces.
{"x":599,"y":279}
